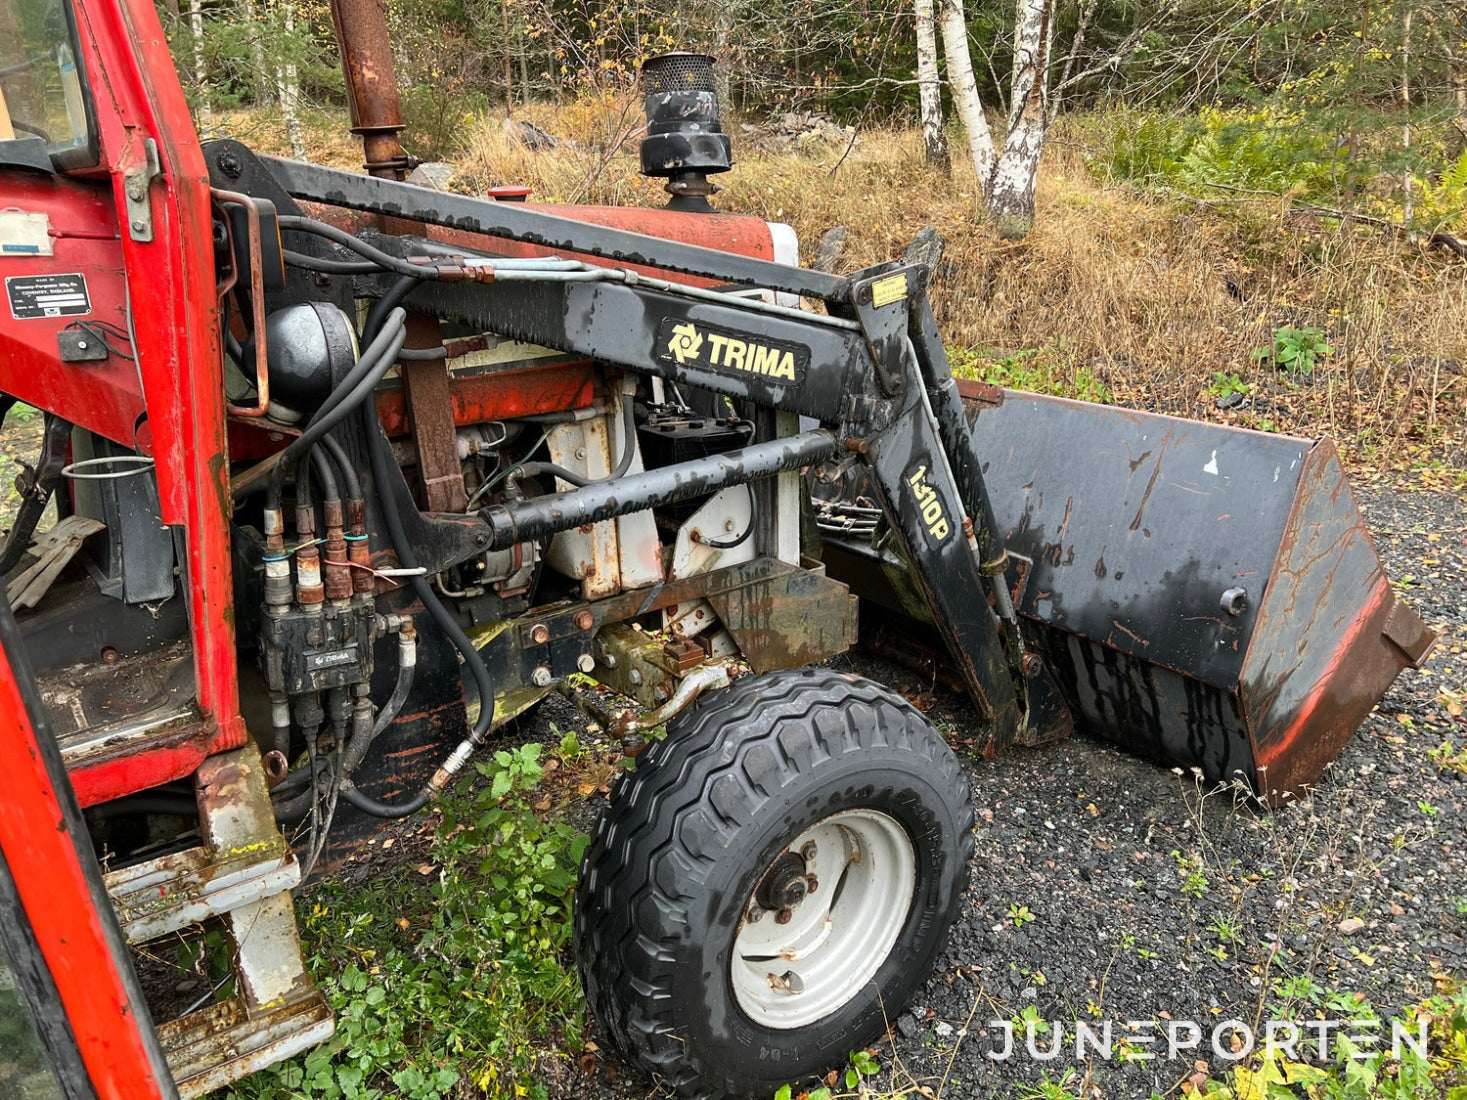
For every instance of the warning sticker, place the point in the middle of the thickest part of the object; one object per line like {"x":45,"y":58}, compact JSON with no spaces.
{"x":33,"y":296}
{"x":891,"y":289}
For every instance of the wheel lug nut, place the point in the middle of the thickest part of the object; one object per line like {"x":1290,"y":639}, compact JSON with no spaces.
{"x":807,"y":853}
{"x":811,"y":884}
{"x":754,"y":915}
{"x":783,"y":916}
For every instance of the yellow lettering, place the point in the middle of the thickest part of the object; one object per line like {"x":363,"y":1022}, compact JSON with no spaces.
{"x":786,"y":368}
{"x":735,"y":355}
{"x":718,"y":343}
{"x":762,"y":360}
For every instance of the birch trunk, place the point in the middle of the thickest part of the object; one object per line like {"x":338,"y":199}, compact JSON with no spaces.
{"x":201,"y":75}
{"x":250,"y":12}
{"x":965,"y":90}
{"x":1011,"y":196}
{"x":290,"y":88}
{"x":928,"y":87}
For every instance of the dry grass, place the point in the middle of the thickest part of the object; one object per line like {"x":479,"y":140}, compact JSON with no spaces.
{"x":1148,"y":296}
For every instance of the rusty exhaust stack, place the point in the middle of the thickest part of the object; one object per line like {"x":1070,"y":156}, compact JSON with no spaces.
{"x":371,"y":84}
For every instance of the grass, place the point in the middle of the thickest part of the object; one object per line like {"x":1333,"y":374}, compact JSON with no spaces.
{"x":450,"y":977}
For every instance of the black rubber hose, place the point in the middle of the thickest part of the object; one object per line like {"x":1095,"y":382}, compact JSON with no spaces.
{"x":428,"y":354}
{"x":330,"y":492}
{"x":416,"y":272}
{"x":371,"y":806}
{"x":530,"y":469}
{"x":383,"y":307}
{"x":623,"y":464}
{"x":345,"y":465}
{"x":367,"y":362}
{"x":363,"y":379}
{"x":384,"y":468}
{"x":328,"y":266}
{"x":739,"y":539}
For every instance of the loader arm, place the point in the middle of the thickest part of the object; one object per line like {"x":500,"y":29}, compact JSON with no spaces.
{"x":873,"y":370}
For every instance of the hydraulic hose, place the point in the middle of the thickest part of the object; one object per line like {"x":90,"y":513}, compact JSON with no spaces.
{"x":623,"y":464}
{"x":384,"y":468}
{"x":381,"y":355}
{"x":325,"y":475}
{"x":417,"y":272}
{"x":344,"y":465}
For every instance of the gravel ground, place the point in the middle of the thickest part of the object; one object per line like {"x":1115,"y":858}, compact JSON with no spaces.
{"x":1153,"y":899}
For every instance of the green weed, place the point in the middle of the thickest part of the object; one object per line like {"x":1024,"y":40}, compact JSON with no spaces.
{"x":468,"y":972}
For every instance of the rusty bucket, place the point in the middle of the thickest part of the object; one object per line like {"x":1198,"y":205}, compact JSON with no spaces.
{"x":1205,"y":596}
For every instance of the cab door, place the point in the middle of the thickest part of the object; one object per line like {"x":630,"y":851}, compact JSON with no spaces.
{"x":73,"y":1023}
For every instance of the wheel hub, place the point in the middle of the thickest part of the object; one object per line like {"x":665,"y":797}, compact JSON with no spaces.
{"x":784,"y":885}
{"x":840,"y":894}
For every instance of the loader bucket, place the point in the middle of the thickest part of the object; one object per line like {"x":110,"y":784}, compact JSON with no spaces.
{"x":1205,"y":596}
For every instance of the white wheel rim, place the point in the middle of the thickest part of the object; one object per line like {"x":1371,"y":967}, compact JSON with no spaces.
{"x":835,"y":940}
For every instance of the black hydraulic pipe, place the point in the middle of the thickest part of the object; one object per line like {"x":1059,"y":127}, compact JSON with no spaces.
{"x":540,"y":517}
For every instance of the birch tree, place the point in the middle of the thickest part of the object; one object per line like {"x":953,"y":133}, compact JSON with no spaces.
{"x":1011,"y":190}
{"x":929,"y":88}
{"x":1006,"y":177}
{"x":965,"y":89}
{"x":201,"y":73}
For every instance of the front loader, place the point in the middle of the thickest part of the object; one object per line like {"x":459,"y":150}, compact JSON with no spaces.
{"x":349,"y":471}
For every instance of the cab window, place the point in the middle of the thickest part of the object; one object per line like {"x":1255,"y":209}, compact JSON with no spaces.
{"x":44,"y":101}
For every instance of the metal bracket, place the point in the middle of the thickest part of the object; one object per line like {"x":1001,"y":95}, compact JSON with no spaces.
{"x":137,"y":186}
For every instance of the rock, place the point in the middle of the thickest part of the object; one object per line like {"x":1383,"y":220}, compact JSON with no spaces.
{"x":433,"y":173}
{"x":828,"y":251}
{"x":907,"y":1026}
{"x":1350,"y":925}
{"x":529,"y":135}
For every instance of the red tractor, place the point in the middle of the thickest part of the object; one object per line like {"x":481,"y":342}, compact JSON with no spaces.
{"x":348,"y":472}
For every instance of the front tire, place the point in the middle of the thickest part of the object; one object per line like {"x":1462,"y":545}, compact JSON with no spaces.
{"x":773,"y":882}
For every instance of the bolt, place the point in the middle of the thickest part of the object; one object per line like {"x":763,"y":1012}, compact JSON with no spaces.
{"x":481,"y":539}
{"x":585,"y":620}
{"x":139,"y":227}
{"x":609,"y":660}
{"x":135,"y":191}
{"x":539,"y":634}
{"x":784,"y":916}
{"x":807,"y":853}
{"x":811,"y":884}
{"x":109,"y":654}
{"x":82,"y":345}
{"x":635,"y":676}
{"x":581,"y":453}
{"x":540,"y":677}
{"x":754,"y":915}
{"x":586,"y":663}
{"x":230,"y":165}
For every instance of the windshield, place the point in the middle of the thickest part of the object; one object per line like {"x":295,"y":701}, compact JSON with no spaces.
{"x":42,"y":87}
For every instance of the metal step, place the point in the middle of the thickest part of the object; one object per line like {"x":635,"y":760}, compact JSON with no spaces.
{"x":242,"y":874}
{"x":220,"y":1044}
{"x":174,"y":892}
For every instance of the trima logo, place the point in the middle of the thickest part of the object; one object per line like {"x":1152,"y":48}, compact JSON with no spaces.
{"x":685,"y":342}
{"x":689,"y":344}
